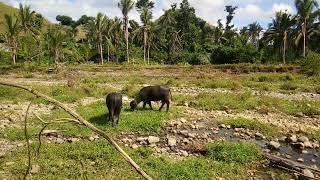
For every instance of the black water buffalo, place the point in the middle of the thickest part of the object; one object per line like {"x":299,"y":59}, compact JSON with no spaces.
{"x":152,"y":93}
{"x":114,"y":104}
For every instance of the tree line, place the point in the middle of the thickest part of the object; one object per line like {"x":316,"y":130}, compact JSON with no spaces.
{"x":178,"y":36}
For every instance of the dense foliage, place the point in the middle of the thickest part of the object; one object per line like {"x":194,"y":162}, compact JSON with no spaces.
{"x":177,"y":37}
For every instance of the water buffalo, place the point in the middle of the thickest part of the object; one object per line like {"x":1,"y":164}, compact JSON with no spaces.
{"x":152,"y":93}
{"x":114,"y":104}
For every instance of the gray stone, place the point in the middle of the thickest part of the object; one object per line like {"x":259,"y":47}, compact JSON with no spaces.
{"x":192,"y":135}
{"x":308,"y":173}
{"x":298,"y":145}
{"x":59,"y":141}
{"x":274,"y":145}
{"x":184,"y":153}
{"x":292,"y":139}
{"x":153,"y":139}
{"x":313,"y":160}
{"x":35,"y":169}
{"x":182,"y":120}
{"x":307,"y":144}
{"x":172,"y":141}
{"x":20,"y":145}
{"x":304,"y":152}
{"x":91,"y":138}
{"x":300,"y":160}
{"x":134,"y":146}
{"x":259,"y":136}
{"x":303,"y":139}
{"x":141,"y":139}
{"x":222,"y":126}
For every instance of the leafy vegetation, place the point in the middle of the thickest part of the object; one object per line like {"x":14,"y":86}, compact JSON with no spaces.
{"x":176,"y":37}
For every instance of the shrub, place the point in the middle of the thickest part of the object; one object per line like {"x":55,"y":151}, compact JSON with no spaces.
{"x":311,"y":64}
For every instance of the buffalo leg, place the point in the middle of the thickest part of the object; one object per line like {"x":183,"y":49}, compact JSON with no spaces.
{"x":117,"y":113}
{"x":112,"y":117}
{"x":168,"y":105}
{"x":162,"y":104}
{"x":150,"y":105}
{"x":144,"y":105}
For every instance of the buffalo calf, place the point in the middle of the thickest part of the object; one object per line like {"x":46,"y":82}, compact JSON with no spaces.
{"x":114,"y":104}
{"x":152,"y":93}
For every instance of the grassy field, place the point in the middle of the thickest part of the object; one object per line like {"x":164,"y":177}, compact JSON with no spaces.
{"x":278,"y":97}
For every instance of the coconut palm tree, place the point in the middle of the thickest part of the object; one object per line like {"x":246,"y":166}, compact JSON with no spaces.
{"x":305,"y":10}
{"x":97,"y":28}
{"x":254,"y":31}
{"x":116,"y":33}
{"x":26,"y":16}
{"x":54,"y":41}
{"x":145,"y":16}
{"x":13,"y":27}
{"x":278,"y":32}
{"x":126,"y":6}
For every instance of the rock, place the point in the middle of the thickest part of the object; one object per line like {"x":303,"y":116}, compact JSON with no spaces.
{"x":172,"y":141}
{"x":283,"y":139}
{"x":184,"y":153}
{"x":50,"y":132}
{"x":96,"y":137}
{"x":299,"y":114}
{"x":192,"y":126}
{"x":192,"y":135}
{"x":183,"y":120}
{"x":185,"y":133}
{"x":222,"y":126}
{"x":91,"y":138}
{"x":292,"y":139}
{"x":134,"y":146}
{"x":20,"y":145}
{"x":259,"y":136}
{"x":300,"y":160}
{"x":313,"y":160}
{"x":153,"y":139}
{"x":303,"y":139}
{"x":141,"y":139}
{"x":307,"y":144}
{"x":304,"y":152}
{"x":35,"y":169}
{"x":315,"y":145}
{"x":228,"y":127}
{"x":274,"y":145}
{"x":59,"y":141}
{"x":308,"y":173}
{"x":298,"y":145}
{"x":288,"y":156}
{"x":314,"y":166}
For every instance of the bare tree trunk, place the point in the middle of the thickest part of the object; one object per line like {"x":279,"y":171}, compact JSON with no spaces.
{"x":144,"y":45}
{"x":108,"y":53}
{"x":284,"y":47}
{"x":304,"y":29}
{"x":127,"y":38}
{"x":149,"y":50}
{"x":56,"y":56}
{"x":101,"y":52}
{"x":14,"y":53}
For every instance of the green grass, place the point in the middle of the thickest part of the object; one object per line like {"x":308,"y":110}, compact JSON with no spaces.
{"x":247,"y":101}
{"x":64,"y":162}
{"x":252,"y":124}
{"x":237,"y":153}
{"x":137,"y":121}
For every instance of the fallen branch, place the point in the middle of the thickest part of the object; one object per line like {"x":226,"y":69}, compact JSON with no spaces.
{"x":27,"y":140}
{"x":84,"y":122}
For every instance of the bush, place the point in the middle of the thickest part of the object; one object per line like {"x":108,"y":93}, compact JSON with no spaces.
{"x":311,"y":64}
{"x":230,"y":55}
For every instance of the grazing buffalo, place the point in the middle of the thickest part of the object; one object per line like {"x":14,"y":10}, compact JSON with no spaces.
{"x":114,"y":104}
{"x":152,"y":93}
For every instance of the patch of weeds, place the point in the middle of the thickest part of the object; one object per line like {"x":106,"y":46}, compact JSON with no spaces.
{"x":287,"y":77}
{"x":229,"y":152}
{"x":88,"y":160}
{"x":252,"y":124}
{"x":288,"y":86}
{"x":264,"y":79}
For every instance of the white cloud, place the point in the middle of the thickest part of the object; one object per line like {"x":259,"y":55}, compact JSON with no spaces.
{"x":210,"y":10}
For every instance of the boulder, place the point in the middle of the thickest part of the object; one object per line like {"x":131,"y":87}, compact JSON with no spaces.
{"x":274,"y":145}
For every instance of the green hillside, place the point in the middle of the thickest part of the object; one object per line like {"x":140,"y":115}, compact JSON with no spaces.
{"x":5,"y":9}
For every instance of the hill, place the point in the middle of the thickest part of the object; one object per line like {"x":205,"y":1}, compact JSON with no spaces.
{"x":5,"y":9}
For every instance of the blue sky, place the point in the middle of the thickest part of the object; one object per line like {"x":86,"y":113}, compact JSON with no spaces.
{"x":210,"y":10}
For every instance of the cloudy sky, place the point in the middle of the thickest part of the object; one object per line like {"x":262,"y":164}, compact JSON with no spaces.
{"x":210,"y":10}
